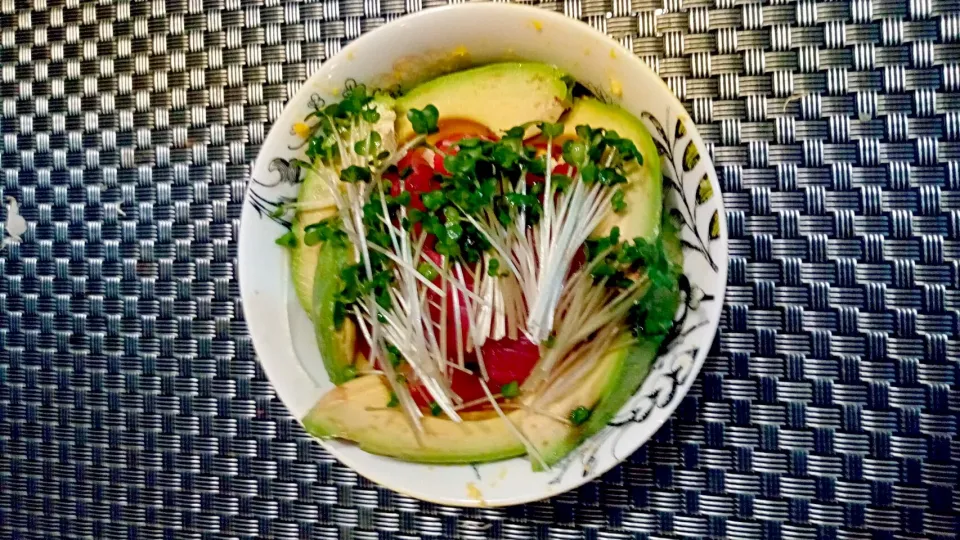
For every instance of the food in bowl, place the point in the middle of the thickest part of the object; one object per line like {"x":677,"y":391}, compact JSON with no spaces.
{"x":485,"y":262}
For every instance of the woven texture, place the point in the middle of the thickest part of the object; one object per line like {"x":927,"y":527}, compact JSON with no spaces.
{"x":131,"y":401}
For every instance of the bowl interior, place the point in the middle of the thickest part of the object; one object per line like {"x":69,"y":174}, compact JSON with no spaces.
{"x":424,"y":45}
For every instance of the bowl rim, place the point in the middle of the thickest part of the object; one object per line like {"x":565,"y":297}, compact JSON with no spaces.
{"x":574,"y":26}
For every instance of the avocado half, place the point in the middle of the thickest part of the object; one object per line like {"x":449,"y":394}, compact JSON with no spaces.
{"x":498,"y":96}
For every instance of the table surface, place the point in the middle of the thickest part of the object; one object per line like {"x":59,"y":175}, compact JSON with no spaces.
{"x":131,"y":401}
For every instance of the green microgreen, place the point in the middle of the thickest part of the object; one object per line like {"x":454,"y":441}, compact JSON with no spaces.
{"x":483,"y":180}
{"x":434,"y":199}
{"x":355,"y":173}
{"x":424,"y":121}
{"x":621,"y":263}
{"x":618,"y":203}
{"x":579,"y":415}
{"x":589,"y":172}
{"x":427,"y":270}
{"x":394,"y":356}
{"x":287,"y":240}
{"x":324,"y":231}
{"x":610,"y":177}
{"x":510,"y":390}
{"x":401,"y":199}
{"x":551,"y":130}
{"x":368,"y":146}
{"x":575,"y":152}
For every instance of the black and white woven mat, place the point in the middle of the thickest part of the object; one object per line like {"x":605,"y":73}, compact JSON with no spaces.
{"x":131,"y":401}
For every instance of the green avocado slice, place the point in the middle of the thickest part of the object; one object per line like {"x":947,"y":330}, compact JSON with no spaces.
{"x":311,"y":268}
{"x":357,"y":411}
{"x":641,"y":356}
{"x":336,"y":344}
{"x":303,"y":258}
{"x":643,"y":192}
{"x":632,"y":371}
{"x":498,"y":96}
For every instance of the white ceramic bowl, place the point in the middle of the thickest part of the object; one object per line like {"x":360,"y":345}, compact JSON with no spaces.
{"x":424,"y":45}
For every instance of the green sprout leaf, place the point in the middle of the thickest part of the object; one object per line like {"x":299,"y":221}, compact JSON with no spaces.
{"x":506,"y":153}
{"x":311,"y":237}
{"x":402,"y":199}
{"x":393,"y":354}
{"x":510,"y":390}
{"x":589,"y":172}
{"x":424,"y":121}
{"x":355,"y":173}
{"x":610,"y":177}
{"x":575,"y":153}
{"x":469,"y":142}
{"x":454,"y":231}
{"x":288,"y":240}
{"x":369,"y":145}
{"x":433,"y":200}
{"x":427,"y":270}
{"x":323,"y":231}
{"x":619,"y":205}
{"x":602,"y":270}
{"x":516,"y":132}
{"x":370,"y":115}
{"x":579,"y":415}
{"x":587,"y":133}
{"x":552,"y":130}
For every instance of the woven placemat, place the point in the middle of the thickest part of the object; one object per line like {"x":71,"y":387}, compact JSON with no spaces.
{"x":131,"y":401}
